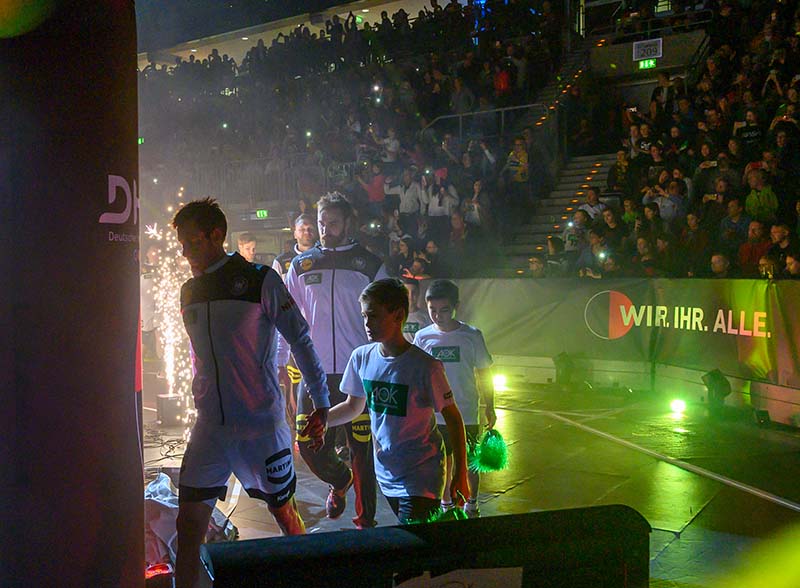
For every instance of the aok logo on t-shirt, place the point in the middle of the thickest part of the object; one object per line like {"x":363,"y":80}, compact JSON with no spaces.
{"x":410,"y":327}
{"x":386,"y":398}
{"x":450,"y":354}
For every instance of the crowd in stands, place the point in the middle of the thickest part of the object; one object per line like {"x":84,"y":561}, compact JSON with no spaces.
{"x":703,"y":186}
{"x":706,"y":177}
{"x":366,"y":94}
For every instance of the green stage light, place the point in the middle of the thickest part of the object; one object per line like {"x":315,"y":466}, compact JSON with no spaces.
{"x":500,"y":383}
{"x":678,"y":406}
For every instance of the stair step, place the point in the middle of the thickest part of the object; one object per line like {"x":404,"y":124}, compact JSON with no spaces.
{"x":581,"y":158}
{"x":522,"y":250}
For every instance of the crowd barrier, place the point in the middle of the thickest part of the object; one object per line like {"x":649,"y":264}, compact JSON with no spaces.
{"x":597,"y":547}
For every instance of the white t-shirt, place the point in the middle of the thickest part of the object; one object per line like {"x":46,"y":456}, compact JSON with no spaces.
{"x":462,"y":351}
{"x":402,"y":395}
{"x":416,"y":321}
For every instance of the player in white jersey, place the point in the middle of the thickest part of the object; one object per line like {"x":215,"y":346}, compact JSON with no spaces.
{"x":462,"y":350}
{"x":231,"y":309}
{"x":417,"y":317}
{"x":403,"y":387}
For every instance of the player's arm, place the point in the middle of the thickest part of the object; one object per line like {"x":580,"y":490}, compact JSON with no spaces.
{"x":459,"y":487}
{"x":283,"y":311}
{"x":485,"y":379}
{"x":344,"y":412}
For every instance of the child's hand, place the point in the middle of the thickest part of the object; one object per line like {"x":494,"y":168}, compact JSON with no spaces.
{"x":491,"y":417}
{"x":459,"y":487}
{"x":316,"y":427}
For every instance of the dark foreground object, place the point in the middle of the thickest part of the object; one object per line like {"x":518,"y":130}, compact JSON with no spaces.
{"x":597,"y":547}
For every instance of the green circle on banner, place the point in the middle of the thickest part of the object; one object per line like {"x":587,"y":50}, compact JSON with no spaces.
{"x":18,"y":17}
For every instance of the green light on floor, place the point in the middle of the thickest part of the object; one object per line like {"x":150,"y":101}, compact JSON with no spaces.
{"x":262,"y":213}
{"x":647,"y":64}
{"x":678,"y":406}
{"x":500,"y":383}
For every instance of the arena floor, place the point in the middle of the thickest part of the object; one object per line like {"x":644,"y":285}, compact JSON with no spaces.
{"x":712,"y":489}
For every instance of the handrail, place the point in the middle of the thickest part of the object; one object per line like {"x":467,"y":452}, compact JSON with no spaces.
{"x":614,"y":31}
{"x":501,"y":111}
{"x":699,"y":54}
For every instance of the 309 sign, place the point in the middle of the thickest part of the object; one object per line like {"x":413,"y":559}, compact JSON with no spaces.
{"x":650,"y":49}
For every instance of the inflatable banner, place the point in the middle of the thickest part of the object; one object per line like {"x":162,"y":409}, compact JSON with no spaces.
{"x":746,"y":328}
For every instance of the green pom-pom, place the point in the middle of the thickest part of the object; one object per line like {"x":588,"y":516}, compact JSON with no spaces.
{"x":451,"y":514}
{"x":490,"y":454}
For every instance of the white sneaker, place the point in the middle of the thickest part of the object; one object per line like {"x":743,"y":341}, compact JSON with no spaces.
{"x":471,"y":510}
{"x":447,"y":506}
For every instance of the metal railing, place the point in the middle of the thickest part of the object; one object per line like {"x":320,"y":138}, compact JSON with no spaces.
{"x":494,"y":121}
{"x":626,"y":29}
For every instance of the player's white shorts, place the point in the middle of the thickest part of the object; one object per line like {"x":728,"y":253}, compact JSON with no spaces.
{"x":263,"y":464}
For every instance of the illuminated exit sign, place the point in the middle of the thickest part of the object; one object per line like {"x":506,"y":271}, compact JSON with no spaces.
{"x":262,"y":213}
{"x":647,"y":64}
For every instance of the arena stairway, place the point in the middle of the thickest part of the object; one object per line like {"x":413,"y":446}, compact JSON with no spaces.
{"x":553,"y":212}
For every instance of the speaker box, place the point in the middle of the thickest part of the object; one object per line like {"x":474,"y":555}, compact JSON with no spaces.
{"x":597,"y":547}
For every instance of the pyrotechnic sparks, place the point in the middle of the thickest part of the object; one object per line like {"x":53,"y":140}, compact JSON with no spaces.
{"x":171,"y":273}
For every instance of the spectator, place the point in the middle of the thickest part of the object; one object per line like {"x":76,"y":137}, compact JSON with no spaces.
{"x":402,"y":260}
{"x":751,"y":251}
{"x":590,"y":260}
{"x":792,"y":270}
{"x":670,"y":262}
{"x":374,"y":187}
{"x":615,"y":232}
{"x":782,"y":244}
{"x":733,"y":228}
{"x":761,"y":203}
{"x":667,"y":201}
{"x":441,"y":199}
{"x":462,"y":100}
{"x":644,"y":262}
{"x":651,"y":223}
{"x":696,"y":242}
{"x":574,"y":236}
{"x":411,"y":196}
{"x":721,"y":266}
{"x":713,"y":206}
{"x":593,"y":207}
{"x":477,"y":210}
{"x":618,"y":179}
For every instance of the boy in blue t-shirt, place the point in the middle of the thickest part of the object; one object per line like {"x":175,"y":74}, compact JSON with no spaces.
{"x":468,"y":366}
{"x":403,"y":387}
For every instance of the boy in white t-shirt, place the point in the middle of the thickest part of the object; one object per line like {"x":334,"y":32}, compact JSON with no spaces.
{"x":463,"y":351}
{"x":403,"y":387}
{"x":417,"y":317}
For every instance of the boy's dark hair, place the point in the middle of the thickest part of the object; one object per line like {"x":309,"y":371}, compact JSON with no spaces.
{"x":442,"y":289}
{"x":205,"y":213}
{"x":389,"y":292}
{"x":336,"y":201}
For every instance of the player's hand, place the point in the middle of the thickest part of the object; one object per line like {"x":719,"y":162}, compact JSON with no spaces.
{"x":459,"y":487}
{"x":491,"y":417}
{"x":316,"y":427}
{"x":284,"y":379}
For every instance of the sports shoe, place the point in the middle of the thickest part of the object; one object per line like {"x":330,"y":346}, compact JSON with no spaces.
{"x":361,"y":525}
{"x":446,"y":506}
{"x":337,"y":500}
{"x":471,"y":509}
